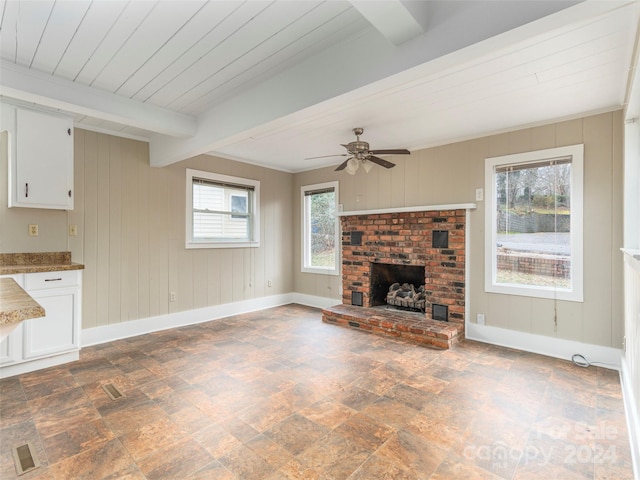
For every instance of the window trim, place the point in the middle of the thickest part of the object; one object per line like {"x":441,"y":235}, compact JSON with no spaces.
{"x":304,"y":234}
{"x":575,"y":294}
{"x":254,"y":218}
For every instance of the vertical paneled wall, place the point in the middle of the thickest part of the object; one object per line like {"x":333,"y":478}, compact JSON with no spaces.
{"x":451,"y":173}
{"x":131,"y":235}
{"x":632,"y":325}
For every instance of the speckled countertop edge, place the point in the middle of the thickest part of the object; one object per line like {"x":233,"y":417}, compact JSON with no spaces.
{"x":13,"y":269}
{"x":16,"y":305}
{"x":14,"y":263}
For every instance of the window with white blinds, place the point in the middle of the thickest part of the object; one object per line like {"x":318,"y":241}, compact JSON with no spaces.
{"x":534,"y":224}
{"x":222,"y":211}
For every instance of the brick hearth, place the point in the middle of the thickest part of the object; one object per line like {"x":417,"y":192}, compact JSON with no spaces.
{"x":406,"y":325}
{"x":404,"y":238}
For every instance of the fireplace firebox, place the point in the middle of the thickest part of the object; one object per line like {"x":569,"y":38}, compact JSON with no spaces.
{"x":386,"y":275}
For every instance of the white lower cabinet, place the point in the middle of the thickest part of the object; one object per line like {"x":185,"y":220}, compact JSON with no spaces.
{"x":50,"y":340}
{"x":8,"y":348}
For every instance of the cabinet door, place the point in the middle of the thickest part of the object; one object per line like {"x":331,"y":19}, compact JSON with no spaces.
{"x":44,"y":160}
{"x":56,"y":332}
{"x":10,"y":350}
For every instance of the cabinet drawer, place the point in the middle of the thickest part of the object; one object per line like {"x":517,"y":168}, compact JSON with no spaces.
{"x":39,"y":281}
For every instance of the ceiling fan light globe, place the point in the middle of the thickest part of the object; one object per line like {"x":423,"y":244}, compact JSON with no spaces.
{"x":367,"y":166}
{"x":352,"y":166}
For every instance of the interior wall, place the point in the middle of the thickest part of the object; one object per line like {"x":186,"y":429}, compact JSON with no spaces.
{"x":452,"y":173}
{"x":131,"y":234}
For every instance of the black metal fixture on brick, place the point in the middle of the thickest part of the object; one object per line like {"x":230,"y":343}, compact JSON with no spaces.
{"x":356,"y":299}
{"x":440,"y":312}
{"x":356,"y":238}
{"x":440,"y":239}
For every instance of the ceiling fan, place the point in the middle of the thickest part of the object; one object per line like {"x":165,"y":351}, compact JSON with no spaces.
{"x":359,"y":154}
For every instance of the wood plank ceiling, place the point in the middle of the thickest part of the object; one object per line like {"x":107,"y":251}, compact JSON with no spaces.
{"x":189,"y":57}
{"x":180,"y":55}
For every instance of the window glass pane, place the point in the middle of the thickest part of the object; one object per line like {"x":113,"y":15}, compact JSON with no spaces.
{"x":207,"y":197}
{"x":208,"y":226}
{"x":213,"y":207}
{"x":221,"y":211}
{"x":239,"y":204}
{"x":322,"y":230}
{"x":533,"y":237}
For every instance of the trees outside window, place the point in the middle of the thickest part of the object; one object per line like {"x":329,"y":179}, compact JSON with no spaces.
{"x":320,"y":240}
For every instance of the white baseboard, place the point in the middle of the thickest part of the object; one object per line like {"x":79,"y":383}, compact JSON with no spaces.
{"x":117,"y":331}
{"x":633,"y":420}
{"x":33,"y":365}
{"x":315,"y":301}
{"x":553,"y":347}
{"x":606,"y":357}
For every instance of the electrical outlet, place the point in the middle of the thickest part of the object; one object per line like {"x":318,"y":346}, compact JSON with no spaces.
{"x":33,"y":229}
{"x":172,"y":296}
{"x":73,"y":230}
{"x":269,"y":283}
{"x":479,"y":195}
{"x":480,"y":319}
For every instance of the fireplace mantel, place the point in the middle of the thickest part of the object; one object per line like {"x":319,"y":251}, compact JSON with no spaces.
{"x":423,"y":208}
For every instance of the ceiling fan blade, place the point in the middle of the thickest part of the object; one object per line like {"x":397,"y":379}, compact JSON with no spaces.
{"x":381,"y":162}
{"x":327,"y":156}
{"x":343,"y":165}
{"x":397,"y":151}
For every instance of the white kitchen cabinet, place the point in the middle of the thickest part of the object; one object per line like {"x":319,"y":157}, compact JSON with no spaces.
{"x":10,"y":347}
{"x":50,"y":340}
{"x":40,"y":158}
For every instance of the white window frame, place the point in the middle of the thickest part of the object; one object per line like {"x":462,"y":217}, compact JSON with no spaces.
{"x":254,"y":219}
{"x":575,"y":293}
{"x":305,"y":234}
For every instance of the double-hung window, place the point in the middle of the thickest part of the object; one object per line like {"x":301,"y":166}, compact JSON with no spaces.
{"x":222,"y":211}
{"x":320,"y":228}
{"x":533,"y":218}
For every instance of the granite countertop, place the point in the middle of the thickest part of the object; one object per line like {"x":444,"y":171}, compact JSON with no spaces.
{"x":12,"y":263}
{"x":16,"y":305}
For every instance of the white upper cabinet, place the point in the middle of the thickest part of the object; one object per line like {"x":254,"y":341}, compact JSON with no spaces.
{"x":40,"y":159}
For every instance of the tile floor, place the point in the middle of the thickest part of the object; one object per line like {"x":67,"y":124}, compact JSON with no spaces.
{"x":278,"y":394}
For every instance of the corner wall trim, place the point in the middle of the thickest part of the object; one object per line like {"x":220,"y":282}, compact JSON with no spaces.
{"x":606,"y":357}
{"x":633,"y":422}
{"x":315,"y":301}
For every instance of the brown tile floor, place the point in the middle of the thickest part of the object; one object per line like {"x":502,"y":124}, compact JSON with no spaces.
{"x":278,"y":394}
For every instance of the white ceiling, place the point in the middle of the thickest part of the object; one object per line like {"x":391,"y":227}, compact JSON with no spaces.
{"x":271,"y":83}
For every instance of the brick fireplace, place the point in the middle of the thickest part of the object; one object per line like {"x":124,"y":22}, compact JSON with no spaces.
{"x":431,"y":242}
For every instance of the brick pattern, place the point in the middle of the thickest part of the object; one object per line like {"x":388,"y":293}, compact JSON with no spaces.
{"x":406,"y":239}
{"x":551,"y":266}
{"x":412,"y":327}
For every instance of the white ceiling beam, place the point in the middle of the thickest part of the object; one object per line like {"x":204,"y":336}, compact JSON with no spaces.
{"x":364,"y":64}
{"x":398,"y":21}
{"x":632,"y":110}
{"x":35,"y":87}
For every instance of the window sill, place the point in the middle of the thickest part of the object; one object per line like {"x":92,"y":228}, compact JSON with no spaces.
{"x":191,"y":245}
{"x":320,"y":271}
{"x":535,"y":292}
